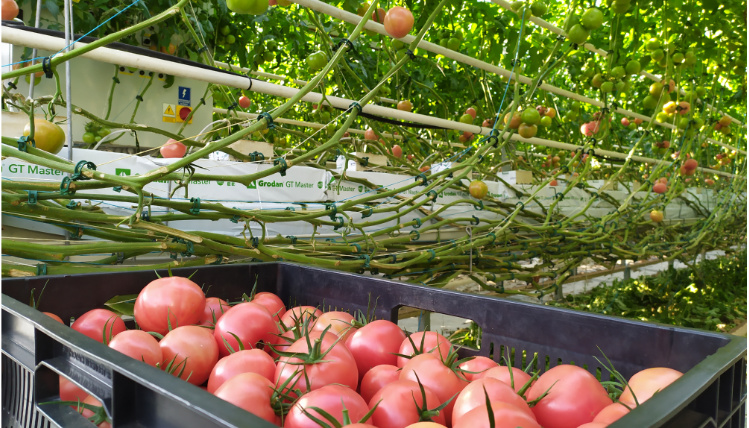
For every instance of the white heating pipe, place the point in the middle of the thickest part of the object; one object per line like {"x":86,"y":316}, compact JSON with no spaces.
{"x":279,"y":77}
{"x":112,"y":56}
{"x":354,"y":19}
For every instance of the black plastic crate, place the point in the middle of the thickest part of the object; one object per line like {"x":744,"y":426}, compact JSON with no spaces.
{"x":35,"y":348}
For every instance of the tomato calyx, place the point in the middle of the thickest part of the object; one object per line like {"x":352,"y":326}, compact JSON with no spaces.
{"x":172,"y":368}
{"x":99,"y":416}
{"x":333,"y":421}
{"x":425,"y":413}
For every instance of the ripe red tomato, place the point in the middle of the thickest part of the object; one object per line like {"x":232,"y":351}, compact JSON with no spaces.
{"x":426,"y":425}
{"x":477,"y":367}
{"x":337,"y":366}
{"x":473,"y":396}
{"x":379,"y":15}
{"x":659,"y":187}
{"x":431,"y":371}
{"x":594,"y":425}
{"x":169,"y":301}
{"x":214,"y":309}
{"x":53,"y":316}
{"x":86,"y":413}
{"x":504,"y":415}
{"x":369,"y":134}
{"x":244,"y":102}
{"x":377,"y":378}
{"x":251,"y":392}
{"x":9,"y":10}
{"x":272,"y":303}
{"x":70,"y":391}
{"x":471,"y":111}
{"x":398,"y":404}
{"x":426,"y":342}
{"x":397,"y":151}
{"x":332,"y":399}
{"x":575,"y":397}
{"x":645,"y":383}
{"x":249,"y":322}
{"x":247,"y":361}
{"x":337,"y":322}
{"x":398,"y":22}
{"x":97,"y":323}
{"x":690,"y":164}
{"x":299,"y":315}
{"x":512,"y":376}
{"x":375,"y":344}
{"x":139,"y":345}
{"x":611,"y":413}
{"x":192,"y":352}
{"x":173,"y":149}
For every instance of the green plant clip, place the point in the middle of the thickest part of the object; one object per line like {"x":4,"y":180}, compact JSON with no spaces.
{"x":480,"y":206}
{"x":23,"y":141}
{"x":476,"y":219}
{"x":433,"y":253}
{"x":65,"y":187}
{"x":421,"y":177}
{"x":366,"y":259}
{"x":41,"y":269}
{"x":117,"y":189}
{"x":434,"y":195}
{"x":33,"y":195}
{"x":366,"y":213}
{"x":364,"y":161}
{"x":418,"y":223}
{"x":282,"y":163}
{"x":72,"y":205}
{"x":292,"y":238}
{"x":268,"y":119}
{"x":255,"y":155}
{"x":333,"y":210}
{"x":195,"y":210}
{"x":78,"y":171}
{"x":417,"y":235}
{"x":358,"y":247}
{"x":494,"y":237}
{"x":340,"y":224}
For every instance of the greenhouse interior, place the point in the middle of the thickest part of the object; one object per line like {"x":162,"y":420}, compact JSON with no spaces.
{"x":442,"y":214}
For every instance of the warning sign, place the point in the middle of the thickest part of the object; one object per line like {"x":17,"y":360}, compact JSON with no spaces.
{"x":169,"y":114}
{"x":182,"y":113}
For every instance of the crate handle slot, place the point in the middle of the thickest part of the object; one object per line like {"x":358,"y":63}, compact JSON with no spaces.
{"x":46,"y":383}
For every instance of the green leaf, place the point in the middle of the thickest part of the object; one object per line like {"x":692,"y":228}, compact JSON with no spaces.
{"x":123,"y":304}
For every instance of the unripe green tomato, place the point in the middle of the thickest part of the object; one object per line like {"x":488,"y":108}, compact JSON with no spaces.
{"x":88,"y":137}
{"x":607,"y":87}
{"x":592,"y":19}
{"x":653,"y":44}
{"x":545,"y":121}
{"x":531,"y":116}
{"x":632,"y":67}
{"x":617,"y":72}
{"x":230,"y":39}
{"x":538,"y":9}
{"x":466,"y":118}
{"x":578,"y":34}
{"x":657,"y":54}
{"x":453,"y":44}
{"x":597,"y":80}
